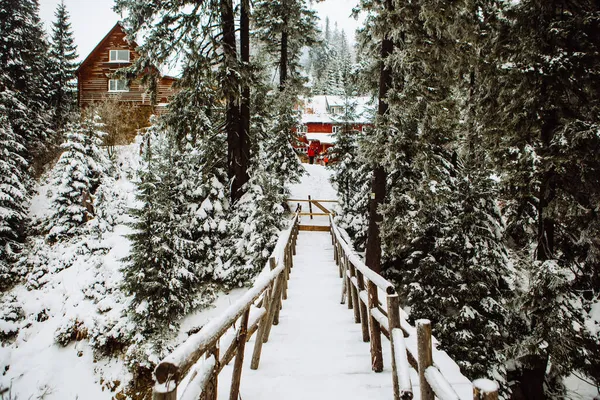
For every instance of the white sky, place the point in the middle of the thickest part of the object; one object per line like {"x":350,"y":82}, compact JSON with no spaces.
{"x":92,"y":19}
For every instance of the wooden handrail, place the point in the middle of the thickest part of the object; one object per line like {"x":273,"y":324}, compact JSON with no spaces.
{"x":367,"y":272}
{"x":173,"y":368}
{"x":408,"y":344}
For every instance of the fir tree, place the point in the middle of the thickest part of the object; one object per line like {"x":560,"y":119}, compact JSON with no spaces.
{"x":13,"y":199}
{"x":203,"y":45}
{"x":78,"y":174}
{"x":351,"y":177}
{"x":160,"y":280}
{"x":537,"y":104}
{"x":23,"y":67}
{"x":286,"y":26}
{"x":256,"y":224}
{"x":63,"y":56}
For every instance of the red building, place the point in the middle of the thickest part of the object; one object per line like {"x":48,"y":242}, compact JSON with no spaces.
{"x":324,"y":116}
{"x":96,"y":80}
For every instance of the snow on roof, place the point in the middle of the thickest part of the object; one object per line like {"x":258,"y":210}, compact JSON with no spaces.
{"x":317,"y":109}
{"x":322,"y":137}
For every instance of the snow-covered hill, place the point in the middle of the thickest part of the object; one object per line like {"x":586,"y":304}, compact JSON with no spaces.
{"x":58,"y":326}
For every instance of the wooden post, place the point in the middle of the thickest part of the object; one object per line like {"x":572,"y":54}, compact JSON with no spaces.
{"x":292,"y":254}
{"x":393,"y":309}
{"x":354,"y":293}
{"x":285,"y":272}
{"x":343,"y":294}
{"x":264,"y":327}
{"x":425,"y":356}
{"x":335,"y":252}
{"x":239,"y":358}
{"x":172,"y":395}
{"x":212,"y":387}
{"x":364,"y":313}
{"x":275,"y":305}
{"x":310,"y":207}
{"x":485,"y":389}
{"x":341,"y":256}
{"x":348,"y":282}
{"x":376,"y":353}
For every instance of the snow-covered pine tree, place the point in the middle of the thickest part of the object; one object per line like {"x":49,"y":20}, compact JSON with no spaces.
{"x":151,"y":275}
{"x":13,"y":199}
{"x":279,"y":159}
{"x":257,"y":220}
{"x":24,"y":71}
{"x":78,"y":174}
{"x":62,"y":78}
{"x":203,"y":45}
{"x":537,"y":105}
{"x":351,"y":177}
{"x":440,"y":220}
{"x":293,"y":25}
{"x":285,"y":27}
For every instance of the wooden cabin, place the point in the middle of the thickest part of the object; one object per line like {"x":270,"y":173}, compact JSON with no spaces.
{"x":96,"y":81}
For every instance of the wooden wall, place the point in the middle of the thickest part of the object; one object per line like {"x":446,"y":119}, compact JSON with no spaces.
{"x":95,"y":72}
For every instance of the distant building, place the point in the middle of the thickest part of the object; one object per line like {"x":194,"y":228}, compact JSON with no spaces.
{"x":323,"y":116}
{"x":96,"y":81}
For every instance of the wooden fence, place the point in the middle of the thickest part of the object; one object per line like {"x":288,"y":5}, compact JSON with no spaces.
{"x":256,"y":311}
{"x":410,"y":346}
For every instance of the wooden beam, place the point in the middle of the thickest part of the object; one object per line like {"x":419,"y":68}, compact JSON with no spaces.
{"x":314,"y":228}
{"x":319,"y":206}
{"x":306,"y":201}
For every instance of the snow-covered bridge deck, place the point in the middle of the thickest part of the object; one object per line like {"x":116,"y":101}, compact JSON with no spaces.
{"x":316,"y":351}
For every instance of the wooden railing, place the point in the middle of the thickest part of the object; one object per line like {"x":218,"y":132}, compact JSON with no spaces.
{"x":256,"y":311}
{"x":438,"y":374}
{"x":317,"y":203}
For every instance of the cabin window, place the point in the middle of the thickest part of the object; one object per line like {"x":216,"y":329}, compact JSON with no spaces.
{"x":336,"y":110}
{"x":302,"y":129}
{"x":119,"y":56}
{"x":335,"y":129}
{"x":118,"y":85}
{"x":364,"y":129}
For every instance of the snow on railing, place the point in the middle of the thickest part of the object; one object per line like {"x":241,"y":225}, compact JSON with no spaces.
{"x":256,"y":311}
{"x":439,"y":376}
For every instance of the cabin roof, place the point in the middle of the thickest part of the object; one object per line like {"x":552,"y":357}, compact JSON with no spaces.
{"x":316,"y":109}
{"x":117,"y":26}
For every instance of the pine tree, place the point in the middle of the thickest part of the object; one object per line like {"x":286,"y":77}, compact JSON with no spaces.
{"x":538,"y":105}
{"x":256,"y":223}
{"x":78,"y":174}
{"x":63,"y":56}
{"x":286,"y":26}
{"x":209,"y":47}
{"x":23,"y":67}
{"x":159,"y":272}
{"x":441,"y":231}
{"x":13,"y":199}
{"x":351,"y":177}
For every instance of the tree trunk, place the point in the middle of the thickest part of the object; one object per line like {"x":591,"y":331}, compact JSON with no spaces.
{"x":245,"y":104}
{"x":378,"y":189}
{"x":237,"y":170}
{"x":283,"y":64}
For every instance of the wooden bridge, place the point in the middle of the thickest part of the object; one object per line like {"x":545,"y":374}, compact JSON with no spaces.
{"x":292,"y":313}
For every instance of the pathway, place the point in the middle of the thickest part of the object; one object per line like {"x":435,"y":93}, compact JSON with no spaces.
{"x":316,"y":351}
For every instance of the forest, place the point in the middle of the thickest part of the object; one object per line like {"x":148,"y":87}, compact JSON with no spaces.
{"x":476,"y":190}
